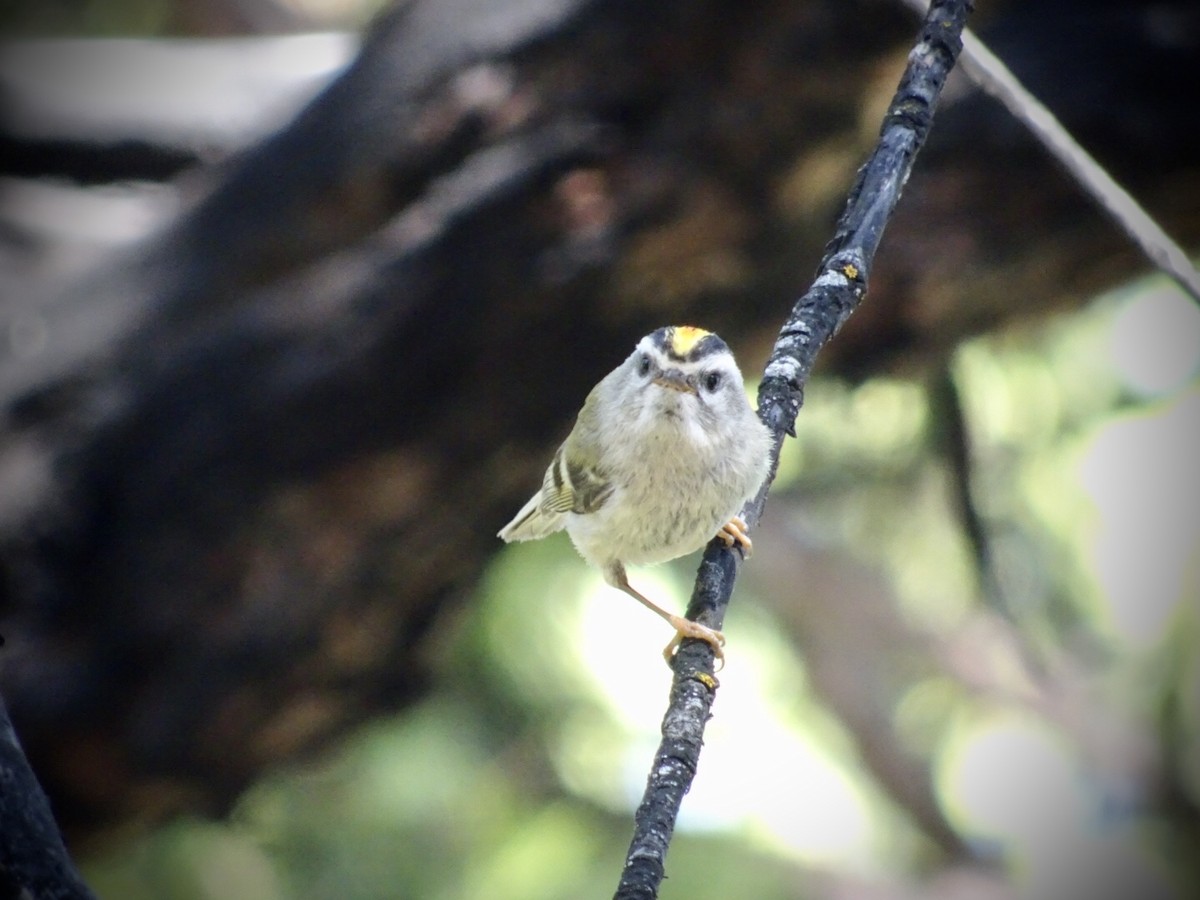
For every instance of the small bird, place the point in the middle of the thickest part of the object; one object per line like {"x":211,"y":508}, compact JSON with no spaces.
{"x":663,"y":456}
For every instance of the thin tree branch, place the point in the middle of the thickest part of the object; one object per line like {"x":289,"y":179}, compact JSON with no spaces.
{"x":987,"y":71}
{"x":954,"y":440}
{"x":817,"y":316}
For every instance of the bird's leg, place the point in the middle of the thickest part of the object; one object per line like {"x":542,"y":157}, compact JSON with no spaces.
{"x":684,"y":628}
{"x":733,"y":533}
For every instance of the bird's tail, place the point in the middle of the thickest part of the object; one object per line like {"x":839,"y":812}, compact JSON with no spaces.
{"x":532,"y":522}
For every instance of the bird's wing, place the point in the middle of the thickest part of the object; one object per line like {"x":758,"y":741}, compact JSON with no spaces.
{"x":579,"y":489}
{"x":574,"y":487}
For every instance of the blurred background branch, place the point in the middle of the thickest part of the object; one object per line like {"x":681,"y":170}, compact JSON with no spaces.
{"x":993,"y":76}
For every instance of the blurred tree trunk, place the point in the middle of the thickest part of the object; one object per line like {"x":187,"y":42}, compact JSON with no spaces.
{"x":251,"y":466}
{"x":33,"y":861}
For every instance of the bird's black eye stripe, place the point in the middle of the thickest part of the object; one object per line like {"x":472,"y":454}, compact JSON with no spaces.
{"x":644,"y":364}
{"x":712,"y":381}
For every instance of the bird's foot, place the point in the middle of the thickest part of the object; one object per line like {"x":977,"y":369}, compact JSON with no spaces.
{"x":733,"y":533}
{"x":686,"y":628}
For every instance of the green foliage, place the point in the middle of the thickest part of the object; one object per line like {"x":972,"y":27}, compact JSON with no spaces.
{"x":88,"y":18}
{"x":163,"y":18}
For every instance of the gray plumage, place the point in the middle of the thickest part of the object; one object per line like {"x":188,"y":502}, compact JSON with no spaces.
{"x":664,"y":453}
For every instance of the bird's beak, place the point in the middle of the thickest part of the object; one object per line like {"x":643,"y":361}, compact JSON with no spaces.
{"x":674,"y":380}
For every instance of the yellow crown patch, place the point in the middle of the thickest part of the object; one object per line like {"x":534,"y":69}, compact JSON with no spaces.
{"x":685,"y":337}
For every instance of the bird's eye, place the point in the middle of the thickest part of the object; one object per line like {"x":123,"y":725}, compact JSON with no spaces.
{"x":644,"y":365}
{"x":712,"y":381}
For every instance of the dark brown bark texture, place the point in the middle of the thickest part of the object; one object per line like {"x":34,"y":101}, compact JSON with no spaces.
{"x":251,"y":468}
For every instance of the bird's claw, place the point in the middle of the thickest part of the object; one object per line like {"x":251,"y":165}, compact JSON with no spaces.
{"x":686,"y":628}
{"x":733,"y":533}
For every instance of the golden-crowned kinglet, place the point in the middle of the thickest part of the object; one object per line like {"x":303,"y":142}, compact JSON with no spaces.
{"x":663,"y":455}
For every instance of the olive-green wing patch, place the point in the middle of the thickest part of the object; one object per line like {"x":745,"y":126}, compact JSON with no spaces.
{"x":573,"y":488}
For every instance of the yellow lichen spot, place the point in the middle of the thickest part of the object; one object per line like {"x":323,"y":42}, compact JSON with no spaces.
{"x":685,"y":337}
{"x":850,"y":271}
{"x":707,"y":680}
